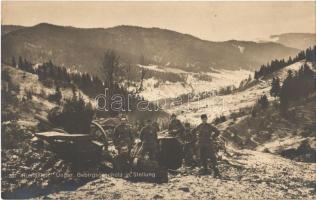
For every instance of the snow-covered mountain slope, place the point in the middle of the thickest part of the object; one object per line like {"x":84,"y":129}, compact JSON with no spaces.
{"x":224,"y":105}
{"x":271,"y":121}
{"x":193,"y":83}
{"x":28,"y":82}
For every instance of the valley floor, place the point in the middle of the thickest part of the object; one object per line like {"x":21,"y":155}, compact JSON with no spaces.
{"x":248,"y":175}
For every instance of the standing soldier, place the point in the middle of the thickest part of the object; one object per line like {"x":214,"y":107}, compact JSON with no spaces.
{"x":156,"y":126}
{"x":206,"y":146}
{"x":149,"y":138}
{"x":123,"y":136}
{"x":189,"y":144}
{"x":175,"y":127}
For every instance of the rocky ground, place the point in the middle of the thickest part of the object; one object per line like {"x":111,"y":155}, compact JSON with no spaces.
{"x":28,"y":169}
{"x":246,"y":175}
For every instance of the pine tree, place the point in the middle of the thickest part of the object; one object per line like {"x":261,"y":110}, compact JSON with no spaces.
{"x":58,"y":95}
{"x":284,"y":95}
{"x":76,"y":115}
{"x":256,"y":76}
{"x":275,"y":87}
{"x":111,"y":72}
{"x":290,"y":61}
{"x":249,"y":78}
{"x":289,"y":74}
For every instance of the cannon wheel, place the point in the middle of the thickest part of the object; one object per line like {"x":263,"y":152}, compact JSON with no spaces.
{"x":98,"y":133}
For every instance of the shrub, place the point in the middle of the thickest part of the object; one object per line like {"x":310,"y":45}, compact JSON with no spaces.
{"x":75,"y":116}
{"x":56,"y":97}
{"x":263,"y":101}
{"x":219,"y":120}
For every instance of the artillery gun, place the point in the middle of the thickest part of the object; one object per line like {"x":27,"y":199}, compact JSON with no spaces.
{"x":94,"y":147}
{"x":79,"y":149}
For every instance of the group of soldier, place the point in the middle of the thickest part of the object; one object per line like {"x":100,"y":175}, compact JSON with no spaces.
{"x":199,"y":140}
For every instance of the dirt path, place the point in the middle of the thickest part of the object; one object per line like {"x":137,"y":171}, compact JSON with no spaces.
{"x":249,"y":175}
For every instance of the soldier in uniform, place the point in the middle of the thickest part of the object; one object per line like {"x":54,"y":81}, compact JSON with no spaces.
{"x":189,"y":144}
{"x":149,"y":138}
{"x":175,"y":127}
{"x":123,"y":136}
{"x":206,"y":134}
{"x":156,"y":125}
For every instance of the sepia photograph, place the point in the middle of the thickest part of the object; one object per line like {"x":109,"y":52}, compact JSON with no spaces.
{"x":158,"y":100}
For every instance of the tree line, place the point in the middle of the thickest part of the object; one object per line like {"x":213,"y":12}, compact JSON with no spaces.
{"x":275,"y":65}
{"x":52,"y":75}
{"x":296,"y":85}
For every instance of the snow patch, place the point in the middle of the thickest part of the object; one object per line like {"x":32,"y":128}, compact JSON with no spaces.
{"x":241,"y":48}
{"x":224,"y":105}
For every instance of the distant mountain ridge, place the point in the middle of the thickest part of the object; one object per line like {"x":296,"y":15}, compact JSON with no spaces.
{"x":296,"y":40}
{"x":84,"y":47}
{"x":5,"y":29}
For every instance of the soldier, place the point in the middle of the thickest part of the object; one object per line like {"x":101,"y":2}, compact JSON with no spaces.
{"x":123,"y":136}
{"x":149,"y":138}
{"x":156,"y":125}
{"x":189,"y":144}
{"x":175,"y":127}
{"x":206,"y":146}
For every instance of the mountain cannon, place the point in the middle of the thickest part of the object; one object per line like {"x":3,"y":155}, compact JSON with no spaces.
{"x":76,"y":148}
{"x":96,"y":147}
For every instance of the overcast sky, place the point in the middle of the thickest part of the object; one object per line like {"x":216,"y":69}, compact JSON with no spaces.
{"x":215,"y":21}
